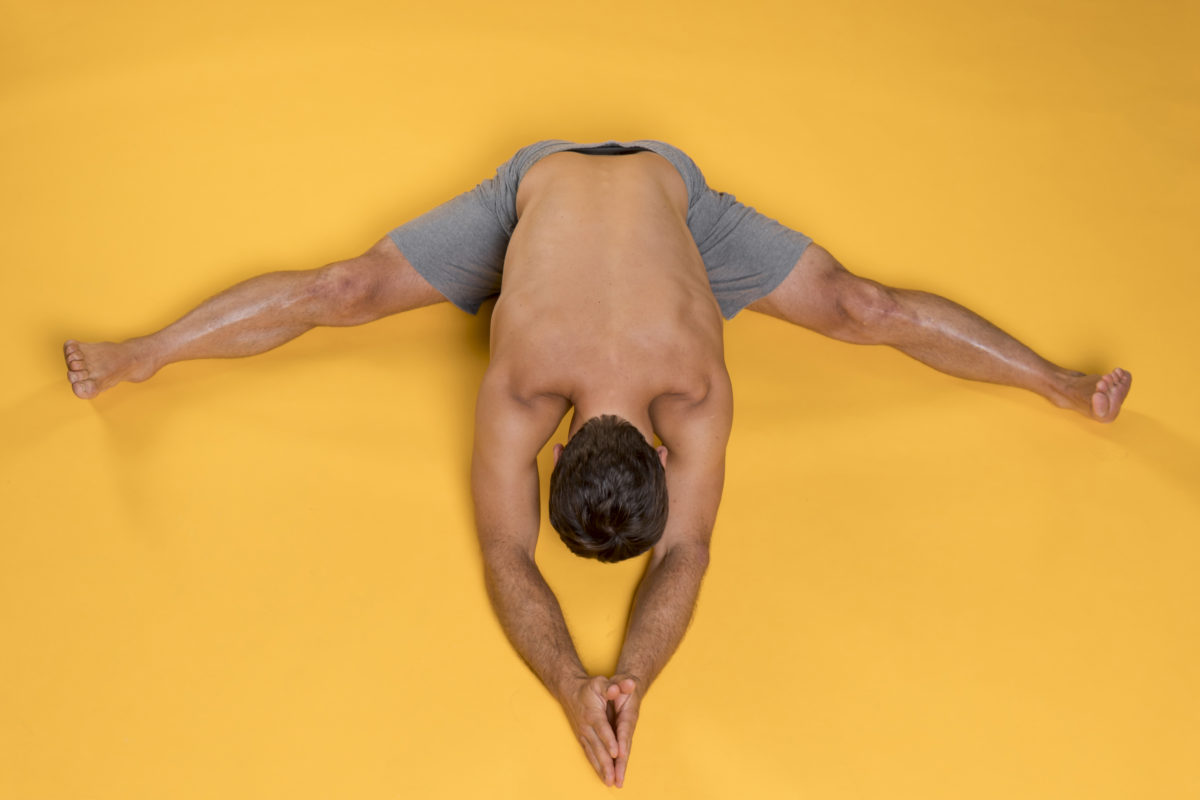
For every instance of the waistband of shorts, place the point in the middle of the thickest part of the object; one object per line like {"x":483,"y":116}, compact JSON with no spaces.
{"x":529,"y":155}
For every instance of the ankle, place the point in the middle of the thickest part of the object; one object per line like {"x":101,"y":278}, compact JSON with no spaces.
{"x":143,"y":358}
{"x":1066,"y":389}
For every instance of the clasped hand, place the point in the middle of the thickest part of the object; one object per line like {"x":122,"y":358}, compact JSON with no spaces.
{"x":603,"y":712}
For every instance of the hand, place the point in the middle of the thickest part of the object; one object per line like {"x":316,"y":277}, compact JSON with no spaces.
{"x":586,"y":704}
{"x":624,"y":693}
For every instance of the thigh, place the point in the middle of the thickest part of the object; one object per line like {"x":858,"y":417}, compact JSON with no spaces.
{"x":746,"y":253}
{"x":459,"y":247}
{"x":390,"y":282}
{"x":810,"y":295}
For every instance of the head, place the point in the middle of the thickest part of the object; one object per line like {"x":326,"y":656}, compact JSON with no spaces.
{"x":608,"y":491}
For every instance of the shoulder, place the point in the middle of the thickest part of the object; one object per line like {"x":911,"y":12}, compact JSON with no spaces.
{"x":515,"y":422}
{"x":510,"y":379}
{"x":695,"y":434}
{"x":696,"y":421}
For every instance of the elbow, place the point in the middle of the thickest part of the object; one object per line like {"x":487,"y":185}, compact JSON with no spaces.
{"x":503,"y":564}
{"x":693,"y":557}
{"x":503,"y":552}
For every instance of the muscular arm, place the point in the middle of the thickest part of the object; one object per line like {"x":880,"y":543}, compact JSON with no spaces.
{"x":695,"y":438}
{"x":661,"y":611}
{"x":531,"y":618}
{"x":509,"y":433}
{"x":504,"y":483}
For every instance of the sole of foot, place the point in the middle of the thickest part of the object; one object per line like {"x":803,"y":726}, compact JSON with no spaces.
{"x":1109,"y":394}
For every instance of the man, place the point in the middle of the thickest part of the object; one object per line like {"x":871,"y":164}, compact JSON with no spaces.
{"x":614,"y":264}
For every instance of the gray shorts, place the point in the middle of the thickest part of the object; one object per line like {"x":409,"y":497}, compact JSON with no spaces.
{"x":459,"y":246}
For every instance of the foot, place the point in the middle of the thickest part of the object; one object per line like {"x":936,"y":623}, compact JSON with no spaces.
{"x":1098,"y":397}
{"x":93,"y":367}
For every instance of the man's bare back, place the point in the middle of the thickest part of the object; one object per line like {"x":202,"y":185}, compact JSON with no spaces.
{"x":605,"y":301}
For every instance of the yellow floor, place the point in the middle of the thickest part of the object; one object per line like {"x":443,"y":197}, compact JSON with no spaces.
{"x":257,"y":579}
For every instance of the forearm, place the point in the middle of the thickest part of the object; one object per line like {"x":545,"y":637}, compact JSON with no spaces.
{"x":662,"y":609}
{"x":532,"y":620}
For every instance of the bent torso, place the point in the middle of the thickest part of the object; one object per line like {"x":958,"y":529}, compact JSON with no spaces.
{"x":603,"y":288}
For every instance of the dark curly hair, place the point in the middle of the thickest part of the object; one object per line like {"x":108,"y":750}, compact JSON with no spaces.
{"x":608,"y":491}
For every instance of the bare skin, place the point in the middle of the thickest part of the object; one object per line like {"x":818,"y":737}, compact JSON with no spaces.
{"x":605,"y":309}
{"x":258,"y":315}
{"x":820,"y":294}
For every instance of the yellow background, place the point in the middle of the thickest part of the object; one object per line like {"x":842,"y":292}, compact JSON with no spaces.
{"x":258,"y":578}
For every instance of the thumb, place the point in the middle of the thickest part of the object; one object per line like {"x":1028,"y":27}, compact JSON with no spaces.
{"x":625,"y":683}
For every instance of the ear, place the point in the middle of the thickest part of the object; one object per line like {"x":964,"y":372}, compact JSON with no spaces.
{"x":558,"y":448}
{"x":662,"y":454}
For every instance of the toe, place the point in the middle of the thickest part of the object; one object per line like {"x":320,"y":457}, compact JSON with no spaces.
{"x":75,"y":362}
{"x":84,"y":389}
{"x":1100,"y":404}
{"x":77,"y":375}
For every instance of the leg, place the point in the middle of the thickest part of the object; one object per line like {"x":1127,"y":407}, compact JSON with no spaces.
{"x":258,"y":315}
{"x":820,"y":294}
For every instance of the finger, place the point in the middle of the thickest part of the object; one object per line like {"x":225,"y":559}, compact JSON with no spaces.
{"x":628,"y":686}
{"x":626,"y":722}
{"x":625,"y":725}
{"x":589,"y":751}
{"x":607,"y":738}
{"x":600,"y":750}
{"x":612,"y":691}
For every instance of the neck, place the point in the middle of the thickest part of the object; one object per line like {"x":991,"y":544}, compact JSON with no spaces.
{"x":633,"y":411}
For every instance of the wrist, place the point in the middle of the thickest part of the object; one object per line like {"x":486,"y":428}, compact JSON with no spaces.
{"x":633,"y":674}
{"x":566,"y":686}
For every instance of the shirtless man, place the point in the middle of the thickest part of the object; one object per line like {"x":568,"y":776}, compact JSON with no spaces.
{"x":615,"y":282}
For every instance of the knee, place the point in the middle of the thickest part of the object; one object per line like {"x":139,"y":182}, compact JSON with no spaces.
{"x":867,"y":309}
{"x":346,"y":291}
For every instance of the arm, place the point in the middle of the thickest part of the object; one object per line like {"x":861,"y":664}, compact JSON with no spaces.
{"x":504,"y":480}
{"x":662,"y":608}
{"x":532,"y":619}
{"x":695,"y":438}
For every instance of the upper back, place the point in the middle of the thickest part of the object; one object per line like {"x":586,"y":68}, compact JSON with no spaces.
{"x":603,"y":283}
